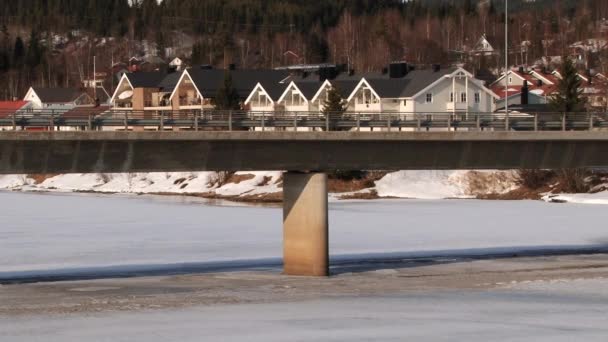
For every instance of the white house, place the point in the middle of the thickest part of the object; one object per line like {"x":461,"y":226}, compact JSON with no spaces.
{"x":177,"y":63}
{"x":452,"y":90}
{"x":58,"y":99}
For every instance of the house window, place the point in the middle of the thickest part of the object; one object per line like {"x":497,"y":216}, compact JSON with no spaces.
{"x":510,"y":79}
{"x":429,"y":98}
{"x":451,"y":97}
{"x":477,"y":97}
{"x":463,"y":97}
{"x":366,"y":97}
{"x":404,"y":103}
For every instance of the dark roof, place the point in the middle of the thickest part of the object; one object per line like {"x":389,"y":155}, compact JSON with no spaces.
{"x":154,"y":79}
{"x":209,"y":81}
{"x":146,"y":79}
{"x":387,"y":87}
{"x":169,"y":82}
{"x":308,"y":89}
{"x":58,"y":95}
{"x":274,"y":89}
{"x":345,"y":88}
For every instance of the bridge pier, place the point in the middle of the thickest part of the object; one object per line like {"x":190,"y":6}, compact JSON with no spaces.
{"x":305,"y":224}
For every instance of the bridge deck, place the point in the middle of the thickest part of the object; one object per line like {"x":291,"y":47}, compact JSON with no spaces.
{"x":96,"y":152}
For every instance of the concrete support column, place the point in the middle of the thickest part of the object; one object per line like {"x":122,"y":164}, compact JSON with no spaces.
{"x":305,"y":224}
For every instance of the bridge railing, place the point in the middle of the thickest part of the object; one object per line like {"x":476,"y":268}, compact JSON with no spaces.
{"x":90,"y":118}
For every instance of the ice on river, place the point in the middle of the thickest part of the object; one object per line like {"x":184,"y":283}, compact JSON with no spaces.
{"x":49,"y":232}
{"x":517,"y":314}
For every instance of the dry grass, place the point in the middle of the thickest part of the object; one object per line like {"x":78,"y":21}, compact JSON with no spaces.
{"x":41,"y":177}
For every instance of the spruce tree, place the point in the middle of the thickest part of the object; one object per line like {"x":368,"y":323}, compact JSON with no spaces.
{"x":334,"y":104}
{"x":334,"y":107}
{"x":568,"y":98}
{"x":227,"y":98}
{"x":19,"y":52}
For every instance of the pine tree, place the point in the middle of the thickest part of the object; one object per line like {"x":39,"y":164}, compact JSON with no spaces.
{"x":568,"y":98}
{"x":227,"y":97}
{"x":34,"y":55}
{"x":19,"y":53}
{"x":334,"y":104}
{"x":5,"y":52}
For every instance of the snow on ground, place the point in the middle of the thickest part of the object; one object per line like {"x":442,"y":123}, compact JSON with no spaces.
{"x":597,"y":198}
{"x":403,"y":184}
{"x":53,"y":232}
{"x":149,"y":183}
{"x":493,"y":315}
{"x":444,"y":184}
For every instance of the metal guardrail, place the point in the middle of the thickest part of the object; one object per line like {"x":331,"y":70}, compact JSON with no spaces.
{"x":95,"y":119}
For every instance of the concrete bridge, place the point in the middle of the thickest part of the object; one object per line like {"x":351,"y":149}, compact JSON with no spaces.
{"x":304,"y":156}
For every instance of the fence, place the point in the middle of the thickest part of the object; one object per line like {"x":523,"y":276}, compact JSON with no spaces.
{"x":90,"y":119}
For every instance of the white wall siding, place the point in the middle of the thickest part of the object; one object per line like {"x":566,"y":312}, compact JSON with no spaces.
{"x":441,"y":98}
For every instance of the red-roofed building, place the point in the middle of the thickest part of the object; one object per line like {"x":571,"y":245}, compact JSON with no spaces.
{"x":8,"y":109}
{"x":542,"y":85}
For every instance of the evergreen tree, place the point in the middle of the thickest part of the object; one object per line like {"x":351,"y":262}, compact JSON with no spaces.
{"x":334,"y":104}
{"x":227,"y":97}
{"x":19,"y":53}
{"x":568,"y":97}
{"x":160,"y":44}
{"x":34,"y":55}
{"x":334,"y":107}
{"x":5,"y":50}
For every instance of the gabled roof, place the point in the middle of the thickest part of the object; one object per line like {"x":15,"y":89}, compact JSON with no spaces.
{"x":344,"y":87}
{"x":209,"y":81}
{"x":57,"y":95}
{"x":169,"y":82}
{"x":308,"y":89}
{"x":410,"y":85}
{"x":145,"y":79}
{"x":273,"y":89}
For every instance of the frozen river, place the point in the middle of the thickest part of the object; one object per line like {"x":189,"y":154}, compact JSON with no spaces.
{"x":52,"y":233}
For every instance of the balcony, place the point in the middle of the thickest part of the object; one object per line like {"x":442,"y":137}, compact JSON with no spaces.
{"x":455,"y":106}
{"x":157,"y":103}
{"x":123,"y":104}
{"x":190,"y":102}
{"x":368,"y":107}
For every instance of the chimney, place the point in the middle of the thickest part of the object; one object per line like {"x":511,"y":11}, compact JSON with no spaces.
{"x":231,"y":66}
{"x":539,"y":83}
{"x":436,"y":67}
{"x":351,"y":72}
{"x":522,"y":70}
{"x":398,"y":69}
{"x":384,"y":71}
{"x":524,"y":94}
{"x":305,"y":74}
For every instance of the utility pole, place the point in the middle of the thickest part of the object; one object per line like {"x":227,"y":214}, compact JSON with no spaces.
{"x":507,"y":64}
{"x":94,"y":78}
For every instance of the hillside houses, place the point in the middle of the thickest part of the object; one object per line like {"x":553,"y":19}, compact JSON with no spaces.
{"x":399,"y":88}
{"x":541,"y":85}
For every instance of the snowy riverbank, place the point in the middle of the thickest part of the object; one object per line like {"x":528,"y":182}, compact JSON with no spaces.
{"x":402,"y":184}
{"x":266,"y":186}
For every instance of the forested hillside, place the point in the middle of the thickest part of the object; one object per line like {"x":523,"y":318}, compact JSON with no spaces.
{"x":51,"y":42}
